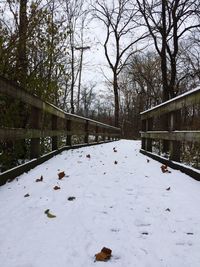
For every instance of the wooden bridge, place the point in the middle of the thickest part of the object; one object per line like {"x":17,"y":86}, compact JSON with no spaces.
{"x":64,"y":125}
{"x":65,"y":210}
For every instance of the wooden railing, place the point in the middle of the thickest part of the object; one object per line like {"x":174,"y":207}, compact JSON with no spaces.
{"x":61,"y":124}
{"x":170,"y":132}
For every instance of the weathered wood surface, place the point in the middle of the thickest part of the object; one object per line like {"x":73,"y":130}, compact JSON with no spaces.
{"x":19,"y":133}
{"x":189,"y":136}
{"x":61,"y":124}
{"x":16,"y":92}
{"x":171,"y":135}
{"x":179,"y":102}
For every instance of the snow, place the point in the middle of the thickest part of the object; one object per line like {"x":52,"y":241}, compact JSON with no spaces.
{"x":121,"y":206}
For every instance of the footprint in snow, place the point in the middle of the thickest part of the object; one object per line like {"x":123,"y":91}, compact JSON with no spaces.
{"x":143,"y":225}
{"x":114,"y":230}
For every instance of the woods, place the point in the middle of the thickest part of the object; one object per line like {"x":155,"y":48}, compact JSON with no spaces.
{"x":151,"y":51}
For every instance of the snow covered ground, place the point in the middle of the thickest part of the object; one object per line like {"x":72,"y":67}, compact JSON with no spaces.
{"x":124,"y":206}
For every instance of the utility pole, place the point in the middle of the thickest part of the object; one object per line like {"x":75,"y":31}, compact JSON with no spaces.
{"x":82,"y":49}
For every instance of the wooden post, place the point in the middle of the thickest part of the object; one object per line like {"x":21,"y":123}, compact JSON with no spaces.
{"x":54,"y":139}
{"x":149,"y":127}
{"x":175,"y":146}
{"x":103,"y":137}
{"x":35,"y":124}
{"x":69,"y":136}
{"x":165,"y":127}
{"x":96,"y":136}
{"x":143,"y":130}
{"x":109,"y":134}
{"x":86,"y":139}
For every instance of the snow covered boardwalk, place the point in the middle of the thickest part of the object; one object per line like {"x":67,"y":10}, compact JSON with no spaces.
{"x":121,"y":200}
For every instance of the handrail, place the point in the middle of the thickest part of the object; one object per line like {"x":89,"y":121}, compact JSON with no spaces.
{"x":171,"y":132}
{"x":187,"y":99}
{"x":15,"y":91}
{"x":61,"y":124}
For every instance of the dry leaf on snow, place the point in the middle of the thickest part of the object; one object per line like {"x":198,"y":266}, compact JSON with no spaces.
{"x":49,"y":215}
{"x":56,"y":187}
{"x":104,"y":255}
{"x":61,"y":175}
{"x":39,"y":179}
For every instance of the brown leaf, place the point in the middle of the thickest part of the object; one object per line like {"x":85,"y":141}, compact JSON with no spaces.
{"x":56,"y":187}
{"x":39,"y":179}
{"x":61,"y":175}
{"x":106,"y":250}
{"x":164,"y":168}
{"x":104,"y":255}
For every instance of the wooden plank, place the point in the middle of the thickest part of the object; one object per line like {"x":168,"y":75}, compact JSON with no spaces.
{"x":179,"y":102}
{"x":35,"y":124}
{"x":18,"y":133}
{"x":190,"y":136}
{"x":13,"y":90}
{"x":7,"y":134}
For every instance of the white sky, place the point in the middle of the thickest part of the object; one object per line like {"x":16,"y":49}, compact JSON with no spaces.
{"x":94,"y":59}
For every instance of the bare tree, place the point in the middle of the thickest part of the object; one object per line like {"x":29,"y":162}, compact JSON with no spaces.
{"x":169,"y":22}
{"x":119,"y":20}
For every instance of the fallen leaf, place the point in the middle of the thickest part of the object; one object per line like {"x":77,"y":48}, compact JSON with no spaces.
{"x":145,"y":233}
{"x":115,"y":162}
{"x":148,"y":160}
{"x":49,"y":215}
{"x":164,"y":169}
{"x":71,"y":198}
{"x":168,"y":209}
{"x":190,"y":233}
{"x":56,"y":187}
{"x":39,"y":179}
{"x":61,"y":175}
{"x":88,"y":156}
{"x":104,"y":255}
{"x":27,"y":195}
{"x":168,"y":188}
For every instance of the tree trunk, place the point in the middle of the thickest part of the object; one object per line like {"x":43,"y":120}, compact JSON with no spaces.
{"x":72,"y":71}
{"x":116,"y":97}
{"x":21,"y":64}
{"x":165,"y":95}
